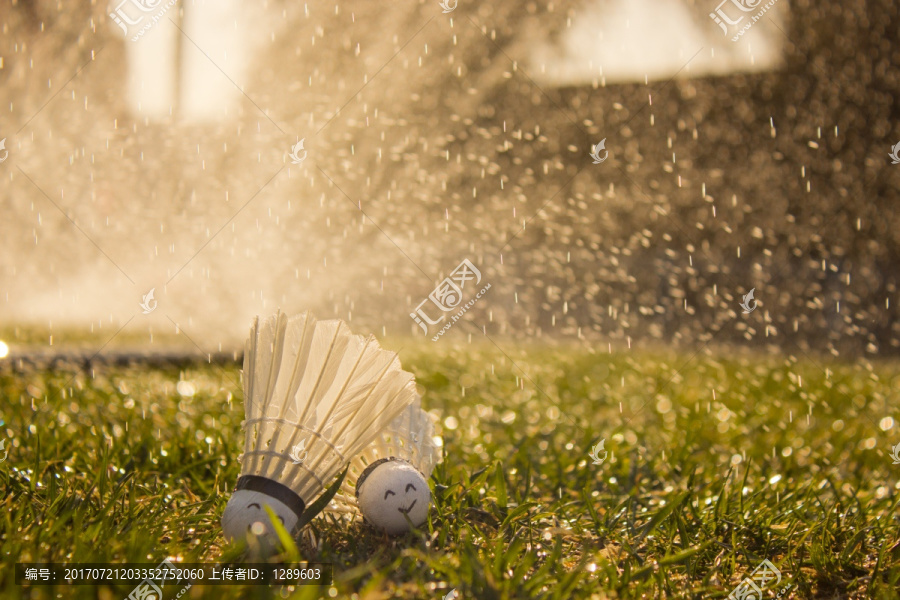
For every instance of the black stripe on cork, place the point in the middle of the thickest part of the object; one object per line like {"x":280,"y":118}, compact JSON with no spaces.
{"x":273,"y":489}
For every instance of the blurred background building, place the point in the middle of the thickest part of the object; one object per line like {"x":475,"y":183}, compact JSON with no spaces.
{"x":434,"y":137}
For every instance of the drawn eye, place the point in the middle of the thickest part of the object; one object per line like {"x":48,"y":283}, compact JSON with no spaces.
{"x":388,"y":492}
{"x":254,"y":504}
{"x":409,"y":485}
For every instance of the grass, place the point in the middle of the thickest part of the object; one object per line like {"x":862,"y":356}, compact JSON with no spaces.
{"x":713,"y":466}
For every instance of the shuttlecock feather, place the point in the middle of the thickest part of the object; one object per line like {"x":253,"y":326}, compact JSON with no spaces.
{"x":405,"y":452}
{"x":315,"y":395}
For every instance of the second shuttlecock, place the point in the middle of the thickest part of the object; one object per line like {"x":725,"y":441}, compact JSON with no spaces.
{"x":388,"y":481}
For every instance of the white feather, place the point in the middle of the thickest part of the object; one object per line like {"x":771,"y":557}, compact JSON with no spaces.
{"x":315,"y":382}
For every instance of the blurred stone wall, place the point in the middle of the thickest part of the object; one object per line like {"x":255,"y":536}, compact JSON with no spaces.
{"x":446,"y":147}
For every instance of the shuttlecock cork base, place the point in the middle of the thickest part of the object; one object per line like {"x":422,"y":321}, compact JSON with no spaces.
{"x":315,"y":385}
{"x":393,"y":496}
{"x":245,"y":513}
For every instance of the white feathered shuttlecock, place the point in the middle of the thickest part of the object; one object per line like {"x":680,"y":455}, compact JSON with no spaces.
{"x":315,"y":395}
{"x":388,"y":481}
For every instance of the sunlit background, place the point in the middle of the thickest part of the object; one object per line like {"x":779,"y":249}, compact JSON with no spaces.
{"x":164,"y":164}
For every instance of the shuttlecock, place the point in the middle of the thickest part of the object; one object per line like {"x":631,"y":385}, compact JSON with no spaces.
{"x":388,"y":481}
{"x":314,"y":396}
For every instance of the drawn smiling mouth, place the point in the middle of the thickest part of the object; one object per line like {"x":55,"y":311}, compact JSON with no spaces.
{"x":406,"y":510}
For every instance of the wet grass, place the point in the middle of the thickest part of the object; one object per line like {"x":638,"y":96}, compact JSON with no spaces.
{"x":714,"y":465}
